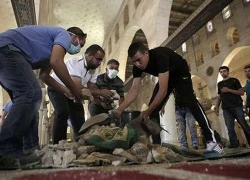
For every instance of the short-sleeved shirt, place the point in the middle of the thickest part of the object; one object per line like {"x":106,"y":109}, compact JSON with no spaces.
{"x":7,"y":106}
{"x":162,"y":59}
{"x":36,"y":42}
{"x":103,"y":82}
{"x":247,"y":89}
{"x":230,"y":100}
{"x":77,"y":67}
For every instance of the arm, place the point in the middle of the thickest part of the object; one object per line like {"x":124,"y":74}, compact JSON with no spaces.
{"x":99,"y":92}
{"x":60,"y":69}
{"x":217,"y":105}
{"x":4,"y":114}
{"x":163,"y":86}
{"x":236,"y":92}
{"x":121,"y":100}
{"x":132,"y":95}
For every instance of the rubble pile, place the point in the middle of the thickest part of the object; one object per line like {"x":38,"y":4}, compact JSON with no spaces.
{"x":68,"y":154}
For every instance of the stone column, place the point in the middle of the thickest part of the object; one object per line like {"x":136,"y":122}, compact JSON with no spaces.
{"x":168,"y":122}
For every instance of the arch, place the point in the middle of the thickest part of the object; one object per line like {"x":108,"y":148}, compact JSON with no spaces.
{"x":236,"y":60}
{"x":232,"y":36}
{"x":126,"y":16}
{"x":125,"y":43}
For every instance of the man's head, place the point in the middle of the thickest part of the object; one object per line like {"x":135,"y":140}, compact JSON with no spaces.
{"x":112,"y":68}
{"x":94,"y":56}
{"x":247,"y":71}
{"x":224,"y":71}
{"x":139,"y":55}
{"x":78,"y":39}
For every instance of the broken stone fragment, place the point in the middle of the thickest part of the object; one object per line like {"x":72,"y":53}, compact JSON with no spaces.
{"x":123,"y":153}
{"x":92,"y":160}
{"x":83,"y":156}
{"x":116,"y":163}
{"x":58,"y":157}
{"x":163,"y":154}
{"x":68,"y":157}
{"x":140,"y":150}
{"x":71,"y":146}
{"x":150,"y":158}
{"x":109,"y":157}
{"x":82,"y":142}
{"x":47,"y":159}
{"x":61,"y":144}
{"x":86,"y":150}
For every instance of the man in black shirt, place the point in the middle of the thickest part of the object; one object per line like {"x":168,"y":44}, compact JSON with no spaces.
{"x":108,"y":81}
{"x":229,"y":93}
{"x":173,"y":73}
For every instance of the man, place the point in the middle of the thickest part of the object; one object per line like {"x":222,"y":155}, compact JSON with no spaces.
{"x":173,"y":73}
{"x":247,"y":88}
{"x":229,"y":93}
{"x":109,"y":81}
{"x":22,"y":50}
{"x":83,"y":71}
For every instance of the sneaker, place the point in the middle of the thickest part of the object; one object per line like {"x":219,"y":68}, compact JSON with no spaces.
{"x":213,"y":150}
{"x":213,"y":146}
{"x":29,"y":161}
{"x":9,"y":163}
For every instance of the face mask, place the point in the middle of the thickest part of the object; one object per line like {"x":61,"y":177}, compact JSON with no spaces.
{"x":74,"y":49}
{"x":112,"y":73}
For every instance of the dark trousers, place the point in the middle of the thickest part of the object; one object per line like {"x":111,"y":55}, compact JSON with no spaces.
{"x":20,"y":129}
{"x":65,"y":109}
{"x":230,"y":115}
{"x":184,"y":88}
{"x":95,"y":109}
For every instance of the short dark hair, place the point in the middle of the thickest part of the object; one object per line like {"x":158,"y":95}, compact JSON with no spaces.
{"x":136,"y":46}
{"x":247,"y":66}
{"x":93,"y":49}
{"x":113,"y":61}
{"x":224,"y":67}
{"x":77,"y":31}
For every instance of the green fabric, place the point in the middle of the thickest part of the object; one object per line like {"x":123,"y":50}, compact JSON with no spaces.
{"x":109,"y":138}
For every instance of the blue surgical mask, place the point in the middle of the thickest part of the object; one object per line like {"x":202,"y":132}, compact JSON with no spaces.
{"x":112,"y":73}
{"x":74,"y":49}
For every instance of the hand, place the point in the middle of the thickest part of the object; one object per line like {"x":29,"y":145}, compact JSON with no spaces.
{"x":86,"y":93}
{"x":216,"y":110}
{"x":115,"y":113}
{"x":162,"y":111}
{"x":247,"y":111}
{"x":68,"y":94}
{"x":107,"y":93}
{"x":225,"y":90}
{"x":144,"y":115}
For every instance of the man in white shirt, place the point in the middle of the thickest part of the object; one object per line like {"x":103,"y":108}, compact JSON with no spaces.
{"x":83,"y":71}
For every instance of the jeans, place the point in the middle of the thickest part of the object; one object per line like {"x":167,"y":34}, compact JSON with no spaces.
{"x":183,"y":117}
{"x":20,"y":129}
{"x":65,"y":109}
{"x":230,"y":115}
{"x":184,"y":88}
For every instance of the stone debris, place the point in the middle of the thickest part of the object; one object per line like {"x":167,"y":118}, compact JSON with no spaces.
{"x":70,"y":154}
{"x":123,"y":153}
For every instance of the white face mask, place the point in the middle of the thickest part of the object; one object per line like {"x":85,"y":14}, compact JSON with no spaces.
{"x":112,"y":73}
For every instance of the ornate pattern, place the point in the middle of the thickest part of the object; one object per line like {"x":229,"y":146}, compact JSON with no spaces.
{"x":199,"y":18}
{"x":24,"y":11}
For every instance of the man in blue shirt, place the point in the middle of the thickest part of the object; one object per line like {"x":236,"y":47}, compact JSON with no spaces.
{"x":247,"y":88}
{"x":22,"y":50}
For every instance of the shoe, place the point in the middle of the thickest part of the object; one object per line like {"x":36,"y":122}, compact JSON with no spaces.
{"x":9,"y":163}
{"x":29,"y":161}
{"x":213,"y":150}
